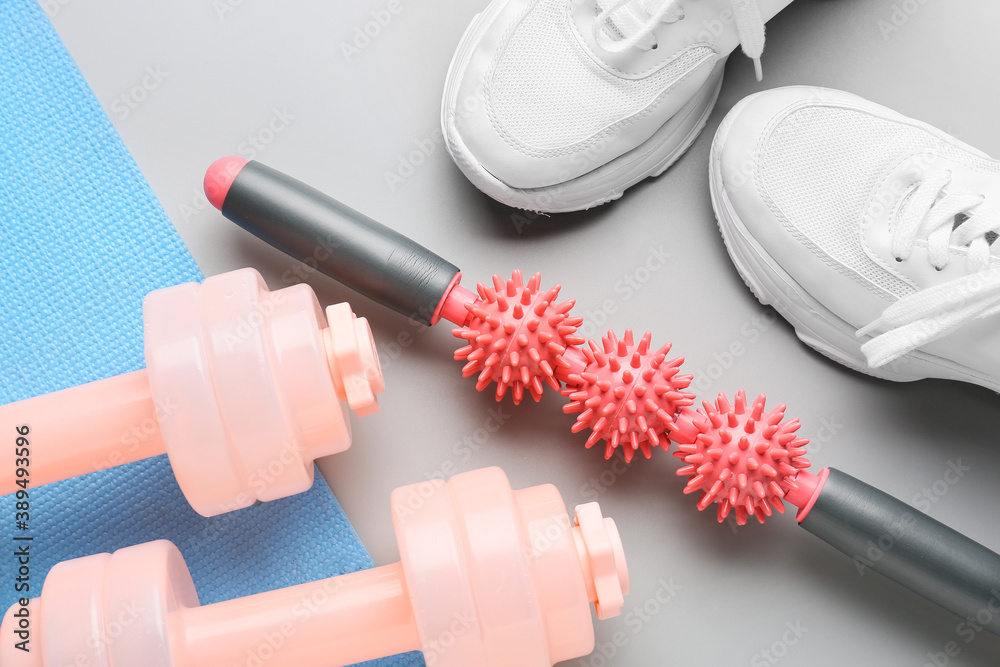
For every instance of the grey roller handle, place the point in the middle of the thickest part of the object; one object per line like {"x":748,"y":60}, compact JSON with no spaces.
{"x":884,"y":534}
{"x":346,"y":245}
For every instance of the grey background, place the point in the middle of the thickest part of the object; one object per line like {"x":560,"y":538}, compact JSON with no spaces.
{"x":229,"y":68}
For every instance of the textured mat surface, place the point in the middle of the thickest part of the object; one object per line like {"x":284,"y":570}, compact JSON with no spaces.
{"x":83,"y":241}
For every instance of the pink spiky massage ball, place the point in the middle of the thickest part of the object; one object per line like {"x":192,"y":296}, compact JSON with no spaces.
{"x":627,"y":395}
{"x":741,"y":457}
{"x":517,"y":336}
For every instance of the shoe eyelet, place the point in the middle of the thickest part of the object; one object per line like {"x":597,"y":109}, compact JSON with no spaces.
{"x":939,"y":268}
{"x":654,"y":47}
{"x":899,"y":259}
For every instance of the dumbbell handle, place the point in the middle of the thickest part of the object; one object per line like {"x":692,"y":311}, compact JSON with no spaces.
{"x":331,"y":623}
{"x":80,"y":430}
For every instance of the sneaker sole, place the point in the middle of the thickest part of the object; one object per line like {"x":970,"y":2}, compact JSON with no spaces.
{"x":606,"y":183}
{"x":814,"y":324}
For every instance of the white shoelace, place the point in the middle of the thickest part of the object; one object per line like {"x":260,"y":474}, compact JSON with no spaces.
{"x":929,"y":314}
{"x":636,"y":20}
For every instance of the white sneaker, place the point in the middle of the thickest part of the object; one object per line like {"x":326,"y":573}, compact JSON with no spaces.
{"x":870,"y":232}
{"x":560,"y":105}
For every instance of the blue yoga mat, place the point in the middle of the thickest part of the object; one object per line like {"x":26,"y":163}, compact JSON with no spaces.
{"x":83,"y":240}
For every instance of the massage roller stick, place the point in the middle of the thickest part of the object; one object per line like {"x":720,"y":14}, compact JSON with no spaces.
{"x":515,"y":335}
{"x":749,"y":461}
{"x":243,"y":388}
{"x":458,"y":541}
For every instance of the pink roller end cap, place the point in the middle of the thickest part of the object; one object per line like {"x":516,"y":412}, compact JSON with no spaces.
{"x":740,"y":456}
{"x":220,"y":176}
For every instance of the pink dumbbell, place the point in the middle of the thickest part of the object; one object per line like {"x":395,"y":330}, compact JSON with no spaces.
{"x":488,"y":576}
{"x":243,"y":389}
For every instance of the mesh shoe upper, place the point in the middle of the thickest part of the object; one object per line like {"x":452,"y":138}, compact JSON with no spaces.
{"x":539,"y":95}
{"x":820,"y":167}
{"x":547,"y":95}
{"x":873,"y":228}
